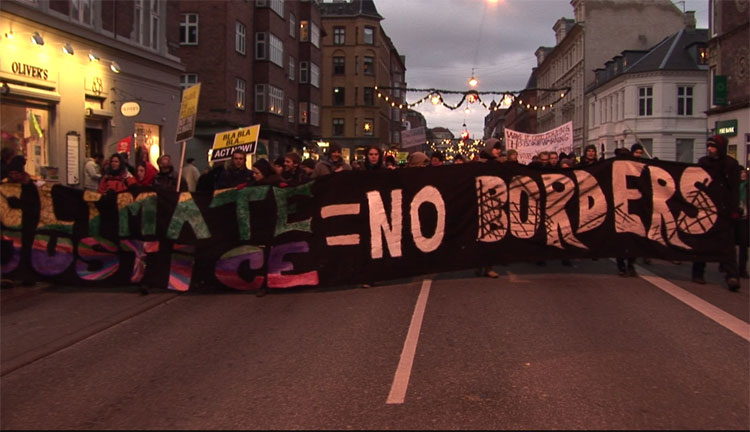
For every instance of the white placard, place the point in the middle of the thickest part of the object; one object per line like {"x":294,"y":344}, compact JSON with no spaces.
{"x":73,"y":159}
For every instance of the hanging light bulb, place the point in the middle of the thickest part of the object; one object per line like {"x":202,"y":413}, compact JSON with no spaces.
{"x":473,"y":80}
{"x":435,"y":99}
{"x":467,"y":110}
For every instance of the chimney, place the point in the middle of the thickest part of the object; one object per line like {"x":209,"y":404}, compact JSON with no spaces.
{"x":689,"y":18}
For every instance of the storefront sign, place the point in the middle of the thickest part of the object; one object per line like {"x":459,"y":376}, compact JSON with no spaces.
{"x":29,"y":70}
{"x":225,"y":143}
{"x":130,"y":109}
{"x":727,"y":127}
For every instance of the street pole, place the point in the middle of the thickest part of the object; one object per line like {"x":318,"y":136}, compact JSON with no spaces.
{"x":182,"y":158}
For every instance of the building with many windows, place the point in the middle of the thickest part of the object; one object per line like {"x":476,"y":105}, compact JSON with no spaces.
{"x":359,"y":58}
{"x":77,"y":76}
{"x":656,"y":97}
{"x":729,"y":65}
{"x":258,"y":63}
{"x":600,"y":30}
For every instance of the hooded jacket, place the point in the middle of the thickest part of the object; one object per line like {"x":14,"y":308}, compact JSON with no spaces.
{"x":728,"y":171}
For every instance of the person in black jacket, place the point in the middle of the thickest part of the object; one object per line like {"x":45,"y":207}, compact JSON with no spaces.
{"x":166,"y":179}
{"x":716,"y":160}
{"x":237,"y":174}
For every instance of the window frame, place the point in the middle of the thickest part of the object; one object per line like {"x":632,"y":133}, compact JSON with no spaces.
{"x":338,"y":96}
{"x":240,"y":38}
{"x":371,"y":70}
{"x":338,"y":126}
{"x":339,"y":35}
{"x":186,"y":25}
{"x":371,"y":35}
{"x":339,"y":65}
{"x":645,"y":101}
{"x":685,"y":101}
{"x":240,"y":87}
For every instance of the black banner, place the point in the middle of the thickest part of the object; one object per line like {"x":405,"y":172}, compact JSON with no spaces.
{"x":364,"y":226}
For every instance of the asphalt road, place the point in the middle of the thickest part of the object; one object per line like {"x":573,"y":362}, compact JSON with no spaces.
{"x":547,"y":347}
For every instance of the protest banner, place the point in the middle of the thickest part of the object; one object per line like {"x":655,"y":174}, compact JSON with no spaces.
{"x":559,"y":139}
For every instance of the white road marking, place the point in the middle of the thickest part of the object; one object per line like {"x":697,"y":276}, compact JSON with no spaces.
{"x":729,"y":321}
{"x":403,"y":371}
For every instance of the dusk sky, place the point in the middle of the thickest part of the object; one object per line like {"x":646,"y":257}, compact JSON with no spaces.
{"x":444,"y":39}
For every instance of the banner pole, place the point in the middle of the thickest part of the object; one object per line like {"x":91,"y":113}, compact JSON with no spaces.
{"x":182,"y":159}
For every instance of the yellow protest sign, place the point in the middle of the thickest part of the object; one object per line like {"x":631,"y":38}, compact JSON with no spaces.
{"x":188,"y":112}
{"x":225,"y":143}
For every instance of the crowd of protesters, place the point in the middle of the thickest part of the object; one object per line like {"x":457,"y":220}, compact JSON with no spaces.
{"x":116,"y":174}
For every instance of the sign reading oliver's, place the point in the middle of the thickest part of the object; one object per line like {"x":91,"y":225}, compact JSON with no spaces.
{"x":362,"y":226}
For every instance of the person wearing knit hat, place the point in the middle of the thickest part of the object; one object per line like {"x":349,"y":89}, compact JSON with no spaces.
{"x":16,"y":172}
{"x":512,"y":156}
{"x":332,"y":164}
{"x":493,"y":147}
{"x":417,"y":159}
{"x":636,"y":150}
{"x":727,"y":204}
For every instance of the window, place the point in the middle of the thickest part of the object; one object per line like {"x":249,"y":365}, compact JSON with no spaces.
{"x":276,"y":54}
{"x":368,"y":126}
{"x":339,"y":95}
{"x":303,"y":113}
{"x":369,"y":95}
{"x":648,"y":145}
{"x":269,"y":47}
{"x":239,"y":90}
{"x":314,"y":75}
{"x":292,"y":25}
{"x":645,"y":101}
{"x":339,"y":65}
{"x":269,"y":99}
{"x":260,"y":97}
{"x":240,"y":38}
{"x":278,"y":7}
{"x":338,"y":127}
{"x":260,"y":46}
{"x":154,"y":39}
{"x":189,"y":29}
{"x":292,"y":68}
{"x":369,"y":35}
{"x":304,"y":31}
{"x":369,"y":65}
{"x":81,"y":11}
{"x":138,"y":18}
{"x":685,"y":101}
{"x":315,"y":35}
{"x":290,"y":111}
{"x":304,"y":72}
{"x":684,"y":149}
{"x":188,"y":80}
{"x":314,"y":115}
{"x":339,"y":35}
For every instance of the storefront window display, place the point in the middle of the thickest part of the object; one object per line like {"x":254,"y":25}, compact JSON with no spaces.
{"x":25,"y":130}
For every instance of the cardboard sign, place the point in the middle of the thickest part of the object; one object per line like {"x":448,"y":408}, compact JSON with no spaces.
{"x":225,"y":143}
{"x":188,"y":113}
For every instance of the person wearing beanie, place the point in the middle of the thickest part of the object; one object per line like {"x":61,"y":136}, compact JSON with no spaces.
{"x":332,"y":164}
{"x":493,"y":147}
{"x":728,"y":203}
{"x":512,"y":156}
{"x":417,"y":160}
{"x":308,"y":166}
{"x":589,"y":156}
{"x":636,"y":150}
{"x":16,"y":172}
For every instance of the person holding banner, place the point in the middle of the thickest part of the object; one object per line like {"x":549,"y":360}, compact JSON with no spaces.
{"x":117,"y":177}
{"x":728,"y":168}
{"x":237,"y":175}
{"x":334,"y":163}
{"x":589,"y":156}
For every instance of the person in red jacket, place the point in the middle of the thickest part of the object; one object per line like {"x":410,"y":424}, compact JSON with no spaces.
{"x":117,"y":177}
